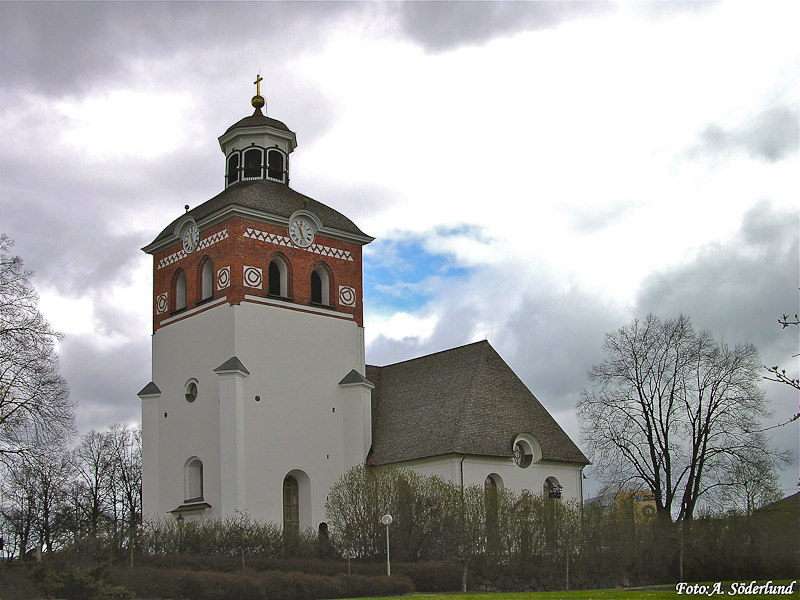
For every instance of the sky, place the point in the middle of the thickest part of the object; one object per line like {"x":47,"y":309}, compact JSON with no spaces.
{"x":537,"y":174}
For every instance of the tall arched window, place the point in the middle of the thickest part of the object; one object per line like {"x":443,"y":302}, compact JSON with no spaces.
{"x":180,"y":291}
{"x":193,"y":479}
{"x":278,"y":278}
{"x":291,"y":504}
{"x":207,"y":280}
{"x":252,"y":163}
{"x":275,"y":163}
{"x":233,"y":168}
{"x":320,"y":284}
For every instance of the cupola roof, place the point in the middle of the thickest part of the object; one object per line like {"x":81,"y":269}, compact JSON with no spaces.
{"x":257,"y":119}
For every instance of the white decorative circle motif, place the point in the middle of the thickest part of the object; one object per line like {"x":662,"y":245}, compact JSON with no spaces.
{"x":223,"y":278}
{"x":252,"y":277}
{"x":347,"y":296}
{"x":161,"y":303}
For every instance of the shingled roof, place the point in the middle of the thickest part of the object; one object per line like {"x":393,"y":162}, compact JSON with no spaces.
{"x":270,"y":197}
{"x":257,"y":119}
{"x":466,"y":400}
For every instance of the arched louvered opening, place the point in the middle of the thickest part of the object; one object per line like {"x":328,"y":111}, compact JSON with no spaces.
{"x":275,"y":162}
{"x":320,"y":286}
{"x":252,"y":163}
{"x":233,"y":168}
{"x":207,"y":280}
{"x":180,"y":290}
{"x":278,"y":278}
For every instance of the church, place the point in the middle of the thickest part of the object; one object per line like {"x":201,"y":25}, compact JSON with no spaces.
{"x":261,"y":398}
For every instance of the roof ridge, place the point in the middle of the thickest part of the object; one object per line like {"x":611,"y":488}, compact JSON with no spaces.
{"x":461,"y":434}
{"x":484,"y":341}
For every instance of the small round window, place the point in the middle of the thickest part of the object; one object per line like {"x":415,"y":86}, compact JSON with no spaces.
{"x":191,"y":391}
{"x":523,"y":455}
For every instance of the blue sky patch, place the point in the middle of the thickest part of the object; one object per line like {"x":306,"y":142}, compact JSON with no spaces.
{"x":400,"y":274}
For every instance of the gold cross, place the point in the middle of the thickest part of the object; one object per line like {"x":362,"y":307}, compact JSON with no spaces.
{"x":258,"y":81}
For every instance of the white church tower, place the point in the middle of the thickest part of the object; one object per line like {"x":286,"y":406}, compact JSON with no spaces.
{"x":258,"y":401}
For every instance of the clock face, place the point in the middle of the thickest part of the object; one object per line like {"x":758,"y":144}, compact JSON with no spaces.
{"x":190,"y":238}
{"x":301,"y":232}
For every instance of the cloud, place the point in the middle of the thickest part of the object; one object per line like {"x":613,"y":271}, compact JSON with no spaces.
{"x":443,"y":26}
{"x":104,"y":381}
{"x":772,"y":135}
{"x":739,"y":287}
{"x":65,"y":48}
{"x":592,"y":219}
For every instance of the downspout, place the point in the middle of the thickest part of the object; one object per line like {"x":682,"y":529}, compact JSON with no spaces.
{"x":466,"y":562}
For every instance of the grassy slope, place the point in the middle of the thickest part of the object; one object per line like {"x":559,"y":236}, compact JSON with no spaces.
{"x":654,"y":593}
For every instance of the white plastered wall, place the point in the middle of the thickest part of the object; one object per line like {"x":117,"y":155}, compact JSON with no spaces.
{"x":183,"y":350}
{"x":475,"y":470}
{"x":295,"y":361}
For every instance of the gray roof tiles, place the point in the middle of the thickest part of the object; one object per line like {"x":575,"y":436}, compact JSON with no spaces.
{"x":466,"y":400}
{"x":257,"y":119}
{"x":269,"y":197}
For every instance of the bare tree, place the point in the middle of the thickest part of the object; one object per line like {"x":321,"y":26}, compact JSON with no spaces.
{"x":779,"y":375}
{"x":125,"y":446}
{"x":676,"y":410}
{"x":35,"y":410}
{"x":94,"y":464}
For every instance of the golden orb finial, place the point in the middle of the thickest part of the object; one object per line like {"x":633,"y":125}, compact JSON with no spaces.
{"x":258,"y":99}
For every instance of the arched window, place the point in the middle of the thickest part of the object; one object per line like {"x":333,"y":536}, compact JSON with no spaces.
{"x":320,"y":284}
{"x":180,"y":291}
{"x":493,"y":481}
{"x":233,"y":168}
{"x":275,"y":162}
{"x":193,"y":479}
{"x":252,"y":163}
{"x":551,"y":488}
{"x":278,"y":278}
{"x":207,"y":280}
{"x":291,"y":504}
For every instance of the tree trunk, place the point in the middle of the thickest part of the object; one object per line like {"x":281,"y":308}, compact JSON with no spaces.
{"x":464,"y":576}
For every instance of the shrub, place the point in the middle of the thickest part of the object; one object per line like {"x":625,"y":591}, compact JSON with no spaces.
{"x":149,"y":582}
{"x":431,"y":576}
{"x":73,"y":583}
{"x":15,"y":583}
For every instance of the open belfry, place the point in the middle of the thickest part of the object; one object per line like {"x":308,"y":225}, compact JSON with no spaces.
{"x":260,"y":398}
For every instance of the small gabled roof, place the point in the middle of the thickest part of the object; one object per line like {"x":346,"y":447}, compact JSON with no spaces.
{"x":466,"y":400}
{"x":151,"y":389}
{"x":233,"y":364}
{"x":355,"y":378}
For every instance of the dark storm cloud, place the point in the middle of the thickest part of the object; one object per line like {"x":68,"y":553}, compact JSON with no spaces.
{"x":65,"y":47}
{"x":772,"y":135}
{"x":104,"y":382}
{"x":441,"y":26}
{"x":736,"y":289}
{"x":554,"y":339}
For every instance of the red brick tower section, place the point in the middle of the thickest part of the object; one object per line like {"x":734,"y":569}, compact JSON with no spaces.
{"x":240,"y":251}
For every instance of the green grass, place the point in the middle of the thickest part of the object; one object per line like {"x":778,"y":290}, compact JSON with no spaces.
{"x":649,"y":593}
